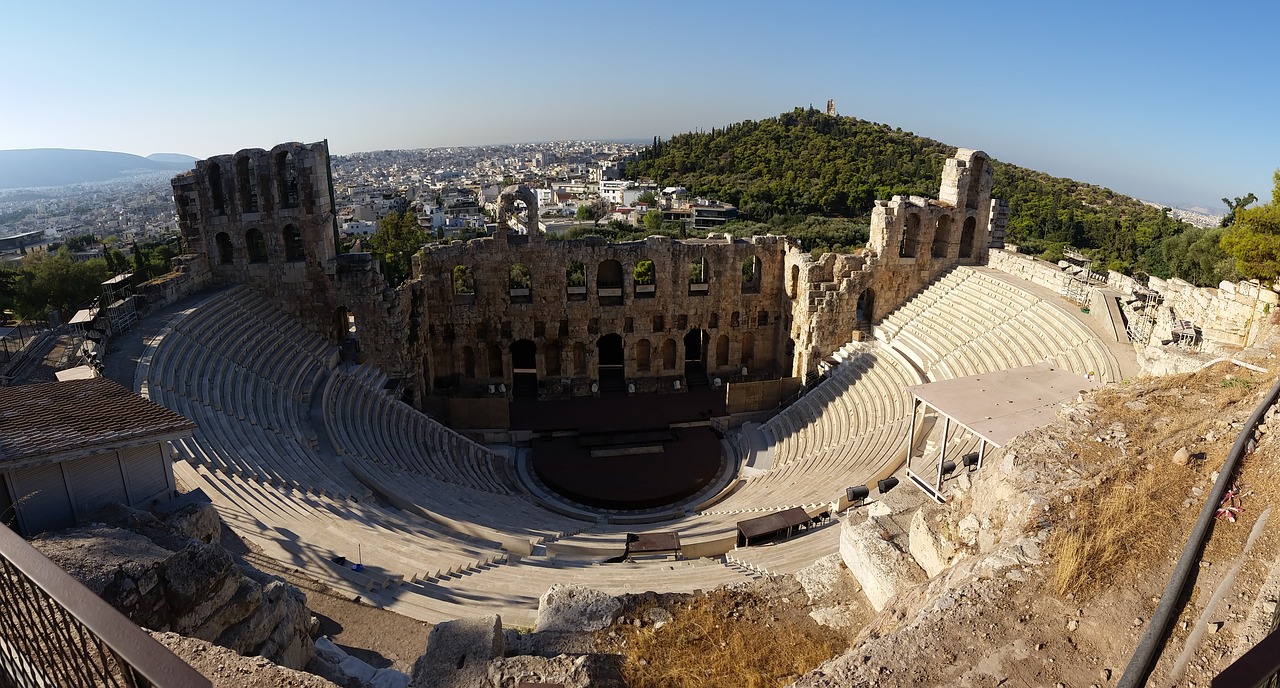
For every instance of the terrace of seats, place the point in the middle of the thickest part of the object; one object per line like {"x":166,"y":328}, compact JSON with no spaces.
{"x":293,"y":448}
{"x":970,"y":322}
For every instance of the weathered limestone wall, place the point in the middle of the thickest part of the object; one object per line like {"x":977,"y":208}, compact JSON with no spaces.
{"x":266,"y":218}
{"x":1232,"y":314}
{"x":913,"y":241}
{"x":1029,"y":268}
{"x":470,"y":336}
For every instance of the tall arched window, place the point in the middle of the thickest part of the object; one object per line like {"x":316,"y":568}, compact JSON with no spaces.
{"x":464,"y":284}
{"x":722,"y":351}
{"x":286,"y":179}
{"x":609,"y":283}
{"x":967,"y":237}
{"x":910,"y":237}
{"x":468,"y":362}
{"x":293,"y":247}
{"x":941,"y":237}
{"x":247,"y":184}
{"x":257,"y":245}
{"x":748,"y":349}
{"x":669,"y":355}
{"x":551,"y":358}
{"x":226,"y":253}
{"x":643,"y":354}
{"x":215,"y":189}
{"x":751,"y":275}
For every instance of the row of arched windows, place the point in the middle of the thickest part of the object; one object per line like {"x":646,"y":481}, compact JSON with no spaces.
{"x":648,"y":356}
{"x":609,"y":279}
{"x":255,"y":244}
{"x":247,"y":183}
{"x":909,"y":246}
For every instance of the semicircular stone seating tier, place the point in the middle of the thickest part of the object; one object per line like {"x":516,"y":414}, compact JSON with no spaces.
{"x":448,"y":535}
{"x":971,"y":321}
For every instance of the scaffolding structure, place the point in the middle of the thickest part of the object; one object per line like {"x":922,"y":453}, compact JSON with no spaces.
{"x":117,"y":294}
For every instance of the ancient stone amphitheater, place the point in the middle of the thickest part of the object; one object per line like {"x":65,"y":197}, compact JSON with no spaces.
{"x":320,"y":450}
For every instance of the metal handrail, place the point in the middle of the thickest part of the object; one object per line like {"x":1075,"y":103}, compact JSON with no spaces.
{"x":1149,"y":646}
{"x":58,"y":616}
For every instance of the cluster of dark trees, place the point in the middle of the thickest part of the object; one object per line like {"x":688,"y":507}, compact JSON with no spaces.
{"x":807,"y":163}
{"x":51,"y":279}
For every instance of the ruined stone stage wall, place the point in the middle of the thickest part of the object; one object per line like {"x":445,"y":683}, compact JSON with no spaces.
{"x":468,"y":338}
{"x":266,"y":218}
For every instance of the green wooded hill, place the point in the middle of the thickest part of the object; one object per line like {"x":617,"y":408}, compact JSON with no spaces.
{"x":804,"y":163}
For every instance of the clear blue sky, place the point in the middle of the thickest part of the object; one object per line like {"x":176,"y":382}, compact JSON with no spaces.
{"x":1173,"y":102}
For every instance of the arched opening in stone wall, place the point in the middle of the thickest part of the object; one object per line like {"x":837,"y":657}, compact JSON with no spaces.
{"x":344,"y":326}
{"x":967,"y":237}
{"x":468,"y":363}
{"x":795,"y":281}
{"x":551,"y":358}
{"x":520,"y":284}
{"x":294,"y":251}
{"x":609,"y":283}
{"x":975,"y":183}
{"x":713,"y":321}
{"x":610,"y":363}
{"x":748,"y":349}
{"x":247,"y":184}
{"x":735,"y":319}
{"x":866,"y":306}
{"x":695,"y":358}
{"x":669,"y":355}
{"x":215,"y":189}
{"x":226,"y":252}
{"x":643,"y":278}
{"x":751,"y":275}
{"x":494,"y":355}
{"x":257,"y":245}
{"x":699,"y":274}
{"x":941,"y":237}
{"x":344,"y":323}
{"x":286,"y":179}
{"x":579,"y":358}
{"x":910,"y":244}
{"x":575,"y":277}
{"x":464,"y":283}
{"x":722,"y":351}
{"x":524,"y":368}
{"x":644,"y":355}
{"x":791,"y":355}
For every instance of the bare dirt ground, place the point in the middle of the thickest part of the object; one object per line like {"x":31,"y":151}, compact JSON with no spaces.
{"x":1137,"y":504}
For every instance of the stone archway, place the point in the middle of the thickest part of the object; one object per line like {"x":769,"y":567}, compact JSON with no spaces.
{"x":524,"y":368}
{"x":611,"y":363}
{"x":695,"y":358}
{"x":866,"y":307}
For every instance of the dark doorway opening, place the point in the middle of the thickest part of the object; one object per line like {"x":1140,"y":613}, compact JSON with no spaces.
{"x":524,"y":368}
{"x":695,"y":358}
{"x":611,"y":368}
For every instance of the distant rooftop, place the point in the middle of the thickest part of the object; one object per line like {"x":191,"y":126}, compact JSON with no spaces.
{"x":60,"y":420}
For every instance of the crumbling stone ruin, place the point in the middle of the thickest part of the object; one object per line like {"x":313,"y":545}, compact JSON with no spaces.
{"x":522,"y":315}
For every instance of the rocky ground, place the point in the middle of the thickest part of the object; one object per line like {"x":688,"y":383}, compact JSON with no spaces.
{"x":986,"y":591}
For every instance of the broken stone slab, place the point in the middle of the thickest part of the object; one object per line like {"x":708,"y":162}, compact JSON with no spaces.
{"x":881,"y":569}
{"x":933,"y":552}
{"x":575,"y":609}
{"x":458,"y":653}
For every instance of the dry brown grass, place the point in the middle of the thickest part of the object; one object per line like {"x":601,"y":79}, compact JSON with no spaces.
{"x":1107,"y":536}
{"x":724,"y":639}
{"x":1135,"y":519}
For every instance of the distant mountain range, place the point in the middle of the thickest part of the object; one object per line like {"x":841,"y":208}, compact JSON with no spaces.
{"x":61,"y":166}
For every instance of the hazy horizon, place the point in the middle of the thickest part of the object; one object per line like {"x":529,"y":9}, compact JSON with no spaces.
{"x":1158,"y":104}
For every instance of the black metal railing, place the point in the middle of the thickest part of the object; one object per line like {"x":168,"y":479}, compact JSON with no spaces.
{"x":56,"y":632}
